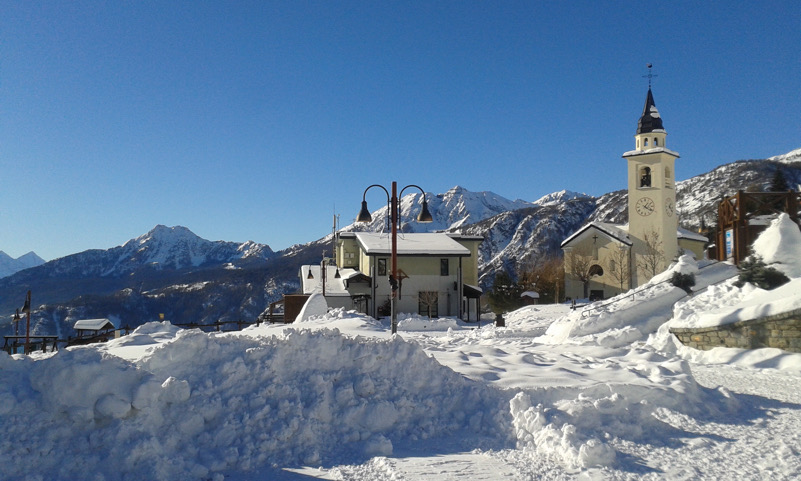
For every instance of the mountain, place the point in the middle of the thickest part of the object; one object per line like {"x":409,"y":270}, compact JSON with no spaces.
{"x":455,"y":208}
{"x":9,"y":265}
{"x":172,"y":271}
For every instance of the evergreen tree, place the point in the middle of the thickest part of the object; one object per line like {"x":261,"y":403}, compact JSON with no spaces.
{"x":754,"y":270}
{"x":505,"y":294}
{"x":779,"y":182}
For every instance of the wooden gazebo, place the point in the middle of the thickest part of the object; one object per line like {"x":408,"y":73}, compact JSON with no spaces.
{"x":744,"y":215}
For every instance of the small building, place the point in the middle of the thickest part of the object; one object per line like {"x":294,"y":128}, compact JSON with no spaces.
{"x":93,"y":330}
{"x":530,"y":298}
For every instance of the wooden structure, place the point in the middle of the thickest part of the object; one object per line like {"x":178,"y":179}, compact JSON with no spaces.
{"x":17,"y":344}
{"x":93,"y":330}
{"x":743,"y":216}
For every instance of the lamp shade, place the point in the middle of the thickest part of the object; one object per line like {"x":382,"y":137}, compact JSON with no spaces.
{"x":364,"y":214}
{"x":425,"y":215}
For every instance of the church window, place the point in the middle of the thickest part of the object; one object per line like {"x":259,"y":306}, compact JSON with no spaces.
{"x":656,"y":142}
{"x":646,"y":143}
{"x":645,"y":177}
{"x":667,"y":176}
{"x":596,"y":270}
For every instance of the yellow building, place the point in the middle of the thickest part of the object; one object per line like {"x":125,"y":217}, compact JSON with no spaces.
{"x":602,"y":260}
{"x":438,"y":274}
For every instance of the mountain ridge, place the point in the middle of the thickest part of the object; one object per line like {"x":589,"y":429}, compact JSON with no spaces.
{"x":171,"y":270}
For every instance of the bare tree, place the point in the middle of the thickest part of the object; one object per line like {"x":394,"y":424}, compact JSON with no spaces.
{"x":619,"y":267}
{"x":651,"y":261}
{"x":429,"y":300}
{"x":545,"y":276}
{"x":581,"y":265}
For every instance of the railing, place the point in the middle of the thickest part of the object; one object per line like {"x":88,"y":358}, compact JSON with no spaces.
{"x":220,"y":326}
{"x":592,"y":307}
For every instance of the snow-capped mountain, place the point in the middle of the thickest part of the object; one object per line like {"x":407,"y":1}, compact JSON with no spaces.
{"x":172,"y":271}
{"x":455,"y":208}
{"x":9,"y":265}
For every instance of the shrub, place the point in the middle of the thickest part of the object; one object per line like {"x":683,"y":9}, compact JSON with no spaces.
{"x":683,"y":281}
{"x":754,"y":270}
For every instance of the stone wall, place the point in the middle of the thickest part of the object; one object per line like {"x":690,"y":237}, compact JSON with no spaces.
{"x":782,"y":331}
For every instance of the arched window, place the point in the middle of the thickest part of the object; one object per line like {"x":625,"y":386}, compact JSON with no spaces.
{"x":596,"y":270}
{"x":656,"y":142}
{"x":667,"y":176}
{"x":646,"y":143}
{"x":645,"y":177}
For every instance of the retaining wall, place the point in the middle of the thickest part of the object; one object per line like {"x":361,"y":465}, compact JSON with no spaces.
{"x":782,"y":331}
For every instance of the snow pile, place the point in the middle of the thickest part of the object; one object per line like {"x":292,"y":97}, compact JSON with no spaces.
{"x":206,"y":404}
{"x":575,"y":430}
{"x":415,"y":322}
{"x":315,"y":306}
{"x":780,"y":245}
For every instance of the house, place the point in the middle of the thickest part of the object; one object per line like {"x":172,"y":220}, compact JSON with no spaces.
{"x":603,"y":259}
{"x":438,"y":274}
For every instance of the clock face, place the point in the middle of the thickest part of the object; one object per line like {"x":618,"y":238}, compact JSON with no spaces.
{"x":645,"y":206}
{"x":669,"y":207}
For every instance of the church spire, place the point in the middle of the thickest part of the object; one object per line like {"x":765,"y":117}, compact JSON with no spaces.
{"x":650,"y":120}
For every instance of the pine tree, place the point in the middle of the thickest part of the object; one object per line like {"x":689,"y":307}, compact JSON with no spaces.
{"x":779,"y":182}
{"x":754,"y":270}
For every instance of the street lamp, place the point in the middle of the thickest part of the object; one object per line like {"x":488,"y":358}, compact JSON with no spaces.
{"x":394,"y":215}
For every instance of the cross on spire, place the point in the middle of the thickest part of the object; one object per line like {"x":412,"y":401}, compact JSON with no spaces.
{"x":650,"y":75}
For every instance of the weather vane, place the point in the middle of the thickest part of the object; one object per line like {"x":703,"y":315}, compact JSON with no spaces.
{"x":650,"y":74}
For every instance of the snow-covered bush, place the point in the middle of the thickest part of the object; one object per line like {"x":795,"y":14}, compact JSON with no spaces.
{"x":754,"y":270}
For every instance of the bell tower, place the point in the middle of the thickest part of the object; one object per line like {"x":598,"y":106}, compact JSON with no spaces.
{"x":653,"y":223}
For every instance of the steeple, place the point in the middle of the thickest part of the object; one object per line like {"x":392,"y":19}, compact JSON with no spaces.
{"x":650,"y":120}
{"x":650,"y":133}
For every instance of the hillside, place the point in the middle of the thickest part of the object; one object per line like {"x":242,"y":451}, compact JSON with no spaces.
{"x":170,"y":270}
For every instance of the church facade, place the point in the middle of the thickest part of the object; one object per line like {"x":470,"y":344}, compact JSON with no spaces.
{"x":602,"y":260}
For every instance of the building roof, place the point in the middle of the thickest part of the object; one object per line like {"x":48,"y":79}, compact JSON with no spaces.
{"x":650,"y":119}
{"x":690,"y":235}
{"x":615,"y":232}
{"x":429,"y":244}
{"x":620,"y":233}
{"x":334,"y":286}
{"x":93,"y":325}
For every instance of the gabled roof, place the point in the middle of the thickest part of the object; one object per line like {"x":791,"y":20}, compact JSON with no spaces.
{"x":334,"y":286}
{"x":429,"y":244}
{"x":614,"y":232}
{"x":650,"y":119}
{"x":93,"y":325}
{"x":690,"y":235}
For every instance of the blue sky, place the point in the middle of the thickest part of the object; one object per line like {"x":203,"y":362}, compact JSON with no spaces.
{"x":260,"y":120}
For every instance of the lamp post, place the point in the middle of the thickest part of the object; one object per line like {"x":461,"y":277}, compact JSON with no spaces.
{"x":394,"y":216}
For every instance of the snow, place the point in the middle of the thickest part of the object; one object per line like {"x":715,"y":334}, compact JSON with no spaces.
{"x":411,"y":244}
{"x":600,"y":392}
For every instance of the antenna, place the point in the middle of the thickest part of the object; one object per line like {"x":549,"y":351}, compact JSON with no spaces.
{"x":650,"y":74}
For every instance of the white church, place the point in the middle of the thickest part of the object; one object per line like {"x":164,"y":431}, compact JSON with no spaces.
{"x":603,"y":260}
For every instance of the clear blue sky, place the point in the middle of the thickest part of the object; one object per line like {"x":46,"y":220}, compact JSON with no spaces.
{"x":259,"y":120}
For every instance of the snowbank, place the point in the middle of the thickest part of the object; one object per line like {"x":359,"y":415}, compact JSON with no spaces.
{"x":206,"y":404}
{"x":780,"y":245}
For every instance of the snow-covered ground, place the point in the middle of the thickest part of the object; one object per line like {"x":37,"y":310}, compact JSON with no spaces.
{"x":603,"y":392}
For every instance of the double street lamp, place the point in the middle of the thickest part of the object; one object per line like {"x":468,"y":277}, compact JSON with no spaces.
{"x":394,"y":216}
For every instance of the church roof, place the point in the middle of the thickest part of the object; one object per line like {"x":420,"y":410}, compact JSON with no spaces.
{"x":650,"y":120}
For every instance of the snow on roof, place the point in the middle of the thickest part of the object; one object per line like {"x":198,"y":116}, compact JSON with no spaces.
{"x":615,"y":232}
{"x":334,"y":286}
{"x":620,"y":233}
{"x":434,"y":244}
{"x":93,"y":324}
{"x":530,"y":294}
{"x":690,"y":235}
{"x":655,"y":150}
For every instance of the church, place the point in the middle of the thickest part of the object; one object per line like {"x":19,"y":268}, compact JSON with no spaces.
{"x":603,"y":260}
